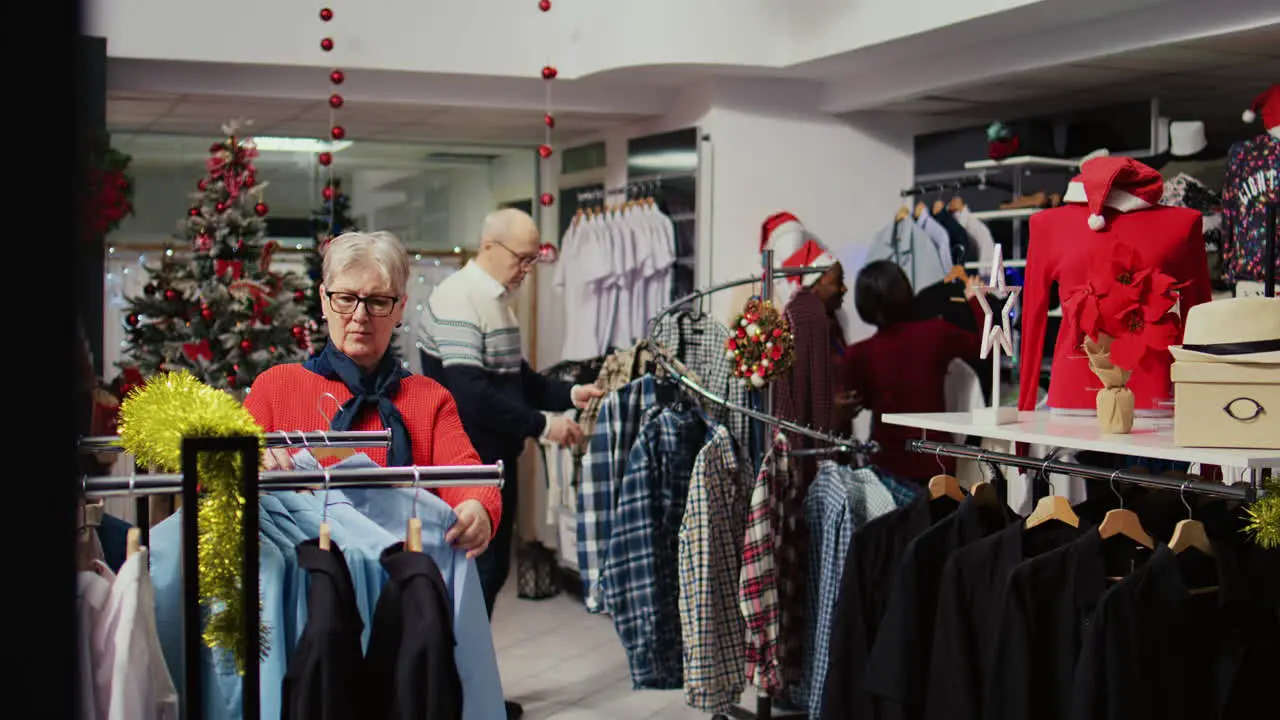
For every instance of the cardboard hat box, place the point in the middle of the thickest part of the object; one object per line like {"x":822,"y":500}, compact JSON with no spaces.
{"x":1226,"y":405}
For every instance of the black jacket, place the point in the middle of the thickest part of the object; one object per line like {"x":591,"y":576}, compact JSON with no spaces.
{"x":324,"y":679}
{"x":409,"y":669}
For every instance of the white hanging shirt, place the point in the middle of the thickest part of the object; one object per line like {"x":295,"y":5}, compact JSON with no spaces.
{"x":579,"y":271}
{"x":625,"y":276}
{"x":981,"y":235}
{"x":92,"y":590}
{"x":607,"y":285}
{"x":663,"y":259}
{"x":130,"y":672}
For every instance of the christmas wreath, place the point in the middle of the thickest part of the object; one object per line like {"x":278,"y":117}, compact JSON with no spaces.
{"x":110,"y":195}
{"x":1264,"y":516}
{"x":760,"y":346}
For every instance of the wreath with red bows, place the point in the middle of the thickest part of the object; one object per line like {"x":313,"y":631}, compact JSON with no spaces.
{"x":110,"y":190}
{"x":760,"y":345}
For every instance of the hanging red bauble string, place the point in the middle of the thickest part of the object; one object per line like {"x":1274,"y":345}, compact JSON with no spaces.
{"x":337,"y":76}
{"x":549,"y":120}
{"x":203,"y":184}
{"x":326,"y":14}
{"x":544,"y":150}
{"x":327,"y":192}
{"x":206,"y":312}
{"x":338,"y":132}
{"x":325,"y":158}
{"x":544,"y":5}
{"x":547,"y":199}
{"x":326,"y":44}
{"x":549,"y":73}
{"x":132,"y":320}
{"x":261,"y":208}
{"x":194,"y":212}
{"x":221,"y":207}
{"x":335,"y":101}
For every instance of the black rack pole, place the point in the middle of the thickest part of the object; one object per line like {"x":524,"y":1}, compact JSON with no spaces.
{"x":1269,"y":251}
{"x":191,"y":641}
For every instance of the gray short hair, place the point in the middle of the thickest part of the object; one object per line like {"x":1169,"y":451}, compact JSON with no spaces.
{"x":381,"y":249}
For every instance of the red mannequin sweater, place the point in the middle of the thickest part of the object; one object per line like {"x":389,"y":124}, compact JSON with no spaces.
{"x":290,"y":397}
{"x":1062,"y":250}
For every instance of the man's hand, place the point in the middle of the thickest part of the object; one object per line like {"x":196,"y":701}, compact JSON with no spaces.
{"x":563,"y":431}
{"x":277,"y":459}
{"x":582,"y":394}
{"x":472,"y":531}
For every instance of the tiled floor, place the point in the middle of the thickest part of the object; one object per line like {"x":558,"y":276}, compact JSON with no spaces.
{"x":563,"y":663}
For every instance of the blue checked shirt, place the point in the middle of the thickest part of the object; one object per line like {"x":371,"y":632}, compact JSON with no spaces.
{"x":603,"y":468}
{"x":641,"y":576}
{"x":840,"y":501}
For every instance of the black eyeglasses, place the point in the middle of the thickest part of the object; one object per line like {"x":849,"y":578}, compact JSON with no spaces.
{"x":345,"y":303}
{"x":526,"y":261}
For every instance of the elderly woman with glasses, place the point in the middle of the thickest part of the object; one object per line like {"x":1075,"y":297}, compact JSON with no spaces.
{"x":363,"y":296}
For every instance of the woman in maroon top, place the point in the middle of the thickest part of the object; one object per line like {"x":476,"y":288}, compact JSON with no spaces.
{"x":902,"y":368}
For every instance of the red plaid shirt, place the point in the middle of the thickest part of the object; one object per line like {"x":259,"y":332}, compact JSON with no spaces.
{"x":759,"y":579}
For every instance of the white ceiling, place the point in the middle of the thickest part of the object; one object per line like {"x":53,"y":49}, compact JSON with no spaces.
{"x":1210,"y":79}
{"x":129,"y":111}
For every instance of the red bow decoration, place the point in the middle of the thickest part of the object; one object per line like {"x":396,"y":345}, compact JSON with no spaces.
{"x":1128,"y":300}
{"x":267,"y":251}
{"x":195,"y":351}
{"x":236,"y":267}
{"x":260,"y":298}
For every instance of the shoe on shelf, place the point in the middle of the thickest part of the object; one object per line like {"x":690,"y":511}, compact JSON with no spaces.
{"x":514,"y":710}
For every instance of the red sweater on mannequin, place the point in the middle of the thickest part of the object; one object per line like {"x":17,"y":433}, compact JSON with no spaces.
{"x":1063,"y":249}
{"x":290,"y":397}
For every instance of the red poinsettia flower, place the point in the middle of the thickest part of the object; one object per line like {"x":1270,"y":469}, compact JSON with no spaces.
{"x":1130,"y":348}
{"x":1080,"y":308}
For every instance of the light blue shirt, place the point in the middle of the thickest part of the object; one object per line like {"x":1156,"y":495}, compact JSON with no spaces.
{"x":474,"y":654}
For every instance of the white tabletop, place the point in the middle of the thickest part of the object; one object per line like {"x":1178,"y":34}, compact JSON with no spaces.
{"x":1151,"y":438}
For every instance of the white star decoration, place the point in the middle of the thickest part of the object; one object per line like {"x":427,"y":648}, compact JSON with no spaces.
{"x":1002,"y":333}
{"x":998,"y":338}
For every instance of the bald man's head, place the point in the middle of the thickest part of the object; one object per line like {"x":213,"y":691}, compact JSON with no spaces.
{"x":509,"y":243}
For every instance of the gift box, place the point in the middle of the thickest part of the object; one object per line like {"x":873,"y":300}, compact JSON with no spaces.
{"x":1226,"y":405}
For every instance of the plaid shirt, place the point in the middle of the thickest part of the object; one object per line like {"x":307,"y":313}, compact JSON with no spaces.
{"x":617,"y":369}
{"x":710,"y":563}
{"x":759,"y":579}
{"x":641,"y":576}
{"x":840,"y":501}
{"x":699,"y":344}
{"x":602,"y":471}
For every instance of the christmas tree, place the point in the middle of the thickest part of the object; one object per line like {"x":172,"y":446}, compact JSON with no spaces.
{"x":222,"y":314}
{"x":331,"y":220}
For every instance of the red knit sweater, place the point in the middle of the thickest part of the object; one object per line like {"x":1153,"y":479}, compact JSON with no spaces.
{"x":290,"y":397}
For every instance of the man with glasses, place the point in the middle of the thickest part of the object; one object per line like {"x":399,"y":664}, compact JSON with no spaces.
{"x":469,"y":339}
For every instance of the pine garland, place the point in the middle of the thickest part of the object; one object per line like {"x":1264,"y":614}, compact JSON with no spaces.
{"x":1264,"y":516}
{"x":761,"y":347}
{"x":154,"y":420}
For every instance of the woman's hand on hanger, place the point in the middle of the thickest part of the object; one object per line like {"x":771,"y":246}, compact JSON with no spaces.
{"x":473,"y":530}
{"x":277,"y":459}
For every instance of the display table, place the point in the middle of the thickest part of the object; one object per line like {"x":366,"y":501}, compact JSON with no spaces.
{"x":1152,"y":438}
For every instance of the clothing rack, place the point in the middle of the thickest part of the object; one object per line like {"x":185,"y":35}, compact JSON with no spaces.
{"x":251,"y":482}
{"x":632,"y":189}
{"x":927,"y":185}
{"x":1246,"y":493}
{"x":764,"y":417}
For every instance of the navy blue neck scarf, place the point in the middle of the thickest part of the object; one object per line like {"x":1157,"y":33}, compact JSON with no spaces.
{"x":379,"y":387}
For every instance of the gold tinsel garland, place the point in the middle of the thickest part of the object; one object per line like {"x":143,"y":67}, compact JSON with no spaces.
{"x":1264,"y":516}
{"x":760,"y":343}
{"x":154,"y":419}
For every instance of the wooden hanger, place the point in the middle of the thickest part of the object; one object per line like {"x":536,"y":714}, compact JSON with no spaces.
{"x":920,"y":209}
{"x":1189,"y":533}
{"x":903,"y":213}
{"x":956,"y":204}
{"x":1052,"y":507}
{"x":413,"y":534}
{"x":324,"y":514}
{"x":1124,"y":522}
{"x":945,"y":485}
{"x":957,"y":273}
{"x":132,"y":538}
{"x":339,"y":454}
{"x":938,"y":205}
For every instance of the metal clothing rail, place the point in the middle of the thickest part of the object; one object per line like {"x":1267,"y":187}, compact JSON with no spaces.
{"x":968,"y":180}
{"x":408,"y":476}
{"x":283,"y":438}
{"x":1052,"y":465}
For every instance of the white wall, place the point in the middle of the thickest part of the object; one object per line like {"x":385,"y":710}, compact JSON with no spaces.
{"x":513,"y":177}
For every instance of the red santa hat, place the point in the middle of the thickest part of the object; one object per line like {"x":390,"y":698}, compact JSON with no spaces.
{"x":1120,"y":183}
{"x":783,"y":233}
{"x":1268,"y":103}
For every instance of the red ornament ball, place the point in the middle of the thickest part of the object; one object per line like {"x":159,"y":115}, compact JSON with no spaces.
{"x":337,"y":76}
{"x":777,"y":332}
{"x":240,"y":245}
{"x":250,"y":179}
{"x":203,"y":184}
{"x":547,"y":199}
{"x":327,"y":192}
{"x":544,"y":150}
{"x":132,"y":320}
{"x":194,"y":212}
{"x":548,"y":253}
{"x":221,"y":207}
{"x":326,"y":44}
{"x":549,"y":120}
{"x":549,"y":73}
{"x":326,"y":14}
{"x":246,"y":345}
{"x":544,"y":5}
{"x":338,"y":132}
{"x":231,"y":379}
{"x":335,"y":101}
{"x":299,"y":295}
{"x":325,"y":158}
{"x":170,"y":294}
{"x":206,"y":312}
{"x":261,"y":208}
